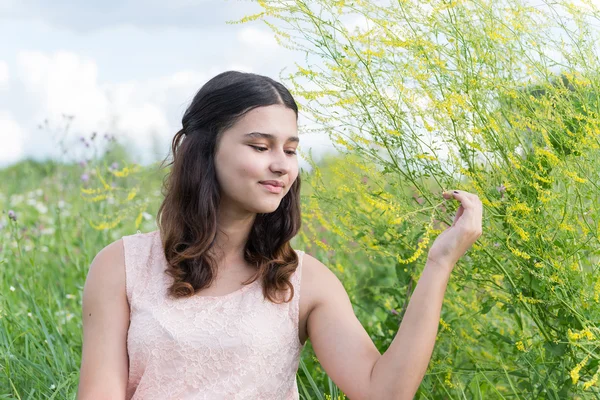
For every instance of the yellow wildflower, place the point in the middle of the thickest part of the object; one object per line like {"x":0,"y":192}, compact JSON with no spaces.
{"x":585,"y":333}
{"x":592,"y":381}
{"x":575,"y":371}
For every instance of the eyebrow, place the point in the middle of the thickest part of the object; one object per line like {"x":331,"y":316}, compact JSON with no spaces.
{"x":270,"y":136}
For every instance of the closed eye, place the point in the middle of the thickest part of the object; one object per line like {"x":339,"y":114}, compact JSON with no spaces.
{"x":261,"y":149}
{"x":258,"y":148}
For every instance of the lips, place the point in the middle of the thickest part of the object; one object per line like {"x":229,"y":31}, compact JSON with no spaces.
{"x":272,"y":183}
{"x":271,"y":187}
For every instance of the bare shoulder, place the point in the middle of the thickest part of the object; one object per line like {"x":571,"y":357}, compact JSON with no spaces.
{"x":108,"y":266}
{"x":105,"y":316}
{"x":106,"y":276}
{"x":319,"y":283}
{"x":114,"y":250}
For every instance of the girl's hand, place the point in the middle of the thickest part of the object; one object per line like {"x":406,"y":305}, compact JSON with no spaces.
{"x":452,"y":243}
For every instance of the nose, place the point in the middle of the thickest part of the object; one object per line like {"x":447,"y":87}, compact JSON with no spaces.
{"x":281,"y":163}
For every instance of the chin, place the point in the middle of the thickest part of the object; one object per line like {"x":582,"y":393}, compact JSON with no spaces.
{"x":264,"y":208}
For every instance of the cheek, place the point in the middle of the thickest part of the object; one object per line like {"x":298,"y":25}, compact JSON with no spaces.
{"x":295,"y":173}
{"x":228,"y":172}
{"x":293,"y":178}
{"x":238,"y":173}
{"x":249,"y":169}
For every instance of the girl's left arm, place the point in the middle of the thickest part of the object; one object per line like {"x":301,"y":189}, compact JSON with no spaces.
{"x":344,"y":348}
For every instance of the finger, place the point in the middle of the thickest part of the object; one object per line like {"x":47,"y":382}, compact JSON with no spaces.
{"x":472,"y":217}
{"x":461,"y":196}
{"x":459,"y":212}
{"x":472,"y":209}
{"x":477,"y":209}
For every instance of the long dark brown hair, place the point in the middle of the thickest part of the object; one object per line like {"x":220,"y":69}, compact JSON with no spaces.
{"x":187,"y":217}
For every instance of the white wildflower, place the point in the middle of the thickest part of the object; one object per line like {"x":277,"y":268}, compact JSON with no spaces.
{"x":16,"y":199}
{"x":47,"y":231}
{"x":42,"y":209}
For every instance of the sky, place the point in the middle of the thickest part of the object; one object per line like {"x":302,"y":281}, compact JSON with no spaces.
{"x":127,"y":67}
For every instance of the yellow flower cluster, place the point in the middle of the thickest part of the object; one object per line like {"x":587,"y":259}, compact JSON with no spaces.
{"x":445,"y":326}
{"x":107,"y":224}
{"x":575,"y":371}
{"x":420,"y":247}
{"x":592,"y":381}
{"x":126,"y":171}
{"x":529,"y":300}
{"x":517,"y":252}
{"x":448,"y":380}
{"x":585,"y":333}
{"x":573,"y":175}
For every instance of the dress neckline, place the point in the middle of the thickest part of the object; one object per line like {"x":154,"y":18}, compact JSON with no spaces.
{"x":230,"y":294}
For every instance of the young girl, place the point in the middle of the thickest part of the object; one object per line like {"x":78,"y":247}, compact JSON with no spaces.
{"x":216,"y":304}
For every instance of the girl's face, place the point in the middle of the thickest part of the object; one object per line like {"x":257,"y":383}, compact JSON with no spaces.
{"x":259,"y":147}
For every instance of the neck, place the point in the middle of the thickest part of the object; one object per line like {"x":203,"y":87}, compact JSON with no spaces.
{"x":233,"y":229}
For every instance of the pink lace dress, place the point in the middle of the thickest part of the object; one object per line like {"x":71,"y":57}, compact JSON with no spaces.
{"x":236,"y":346}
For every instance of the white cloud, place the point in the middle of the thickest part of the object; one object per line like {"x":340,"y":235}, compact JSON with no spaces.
{"x":11,"y":136}
{"x":67,"y":83}
{"x":356,"y":21}
{"x":147,"y":133}
{"x":8,"y":5}
{"x":4,"y":75}
{"x":257,"y":38}
{"x":185,"y":78}
{"x":241,"y":68}
{"x":64,"y":83}
{"x":99,"y":15}
{"x":144,"y":118}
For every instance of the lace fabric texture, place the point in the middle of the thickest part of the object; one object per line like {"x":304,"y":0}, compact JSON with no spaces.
{"x":237,"y":347}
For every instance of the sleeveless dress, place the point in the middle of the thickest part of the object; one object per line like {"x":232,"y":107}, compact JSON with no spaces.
{"x":238,"y":346}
